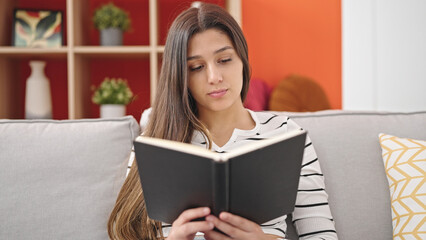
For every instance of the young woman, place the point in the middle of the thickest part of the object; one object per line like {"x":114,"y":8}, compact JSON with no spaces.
{"x":203,"y":82}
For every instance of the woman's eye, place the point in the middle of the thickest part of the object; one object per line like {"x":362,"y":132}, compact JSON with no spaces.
{"x":195,"y":68}
{"x":225,"y":60}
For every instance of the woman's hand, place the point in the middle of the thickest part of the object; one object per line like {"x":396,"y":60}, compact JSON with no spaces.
{"x":235,"y":227}
{"x":183,"y":228}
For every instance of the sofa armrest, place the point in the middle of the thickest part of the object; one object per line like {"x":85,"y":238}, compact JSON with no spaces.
{"x":60,"y":179}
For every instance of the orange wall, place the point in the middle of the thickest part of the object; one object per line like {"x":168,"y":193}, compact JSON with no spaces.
{"x":295,"y":37}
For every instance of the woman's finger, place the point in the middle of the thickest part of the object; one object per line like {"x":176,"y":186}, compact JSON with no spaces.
{"x":191,"y":214}
{"x":194,"y":227}
{"x":239,"y":222}
{"x":230,"y":230}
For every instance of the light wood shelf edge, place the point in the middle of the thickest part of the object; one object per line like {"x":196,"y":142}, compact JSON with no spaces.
{"x":235,"y":9}
{"x":24,"y":50}
{"x":118,"y":49}
{"x":160,"y":49}
{"x":153,"y":42}
{"x":70,"y":60}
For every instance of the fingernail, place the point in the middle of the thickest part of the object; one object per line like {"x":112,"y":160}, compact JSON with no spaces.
{"x":206,"y":210}
{"x":211,"y":225}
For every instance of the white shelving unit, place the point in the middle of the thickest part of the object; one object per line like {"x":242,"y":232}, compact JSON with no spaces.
{"x":77,"y":53}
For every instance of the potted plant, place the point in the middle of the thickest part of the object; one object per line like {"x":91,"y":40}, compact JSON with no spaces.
{"x":111,"y":21}
{"x":113,"y":95}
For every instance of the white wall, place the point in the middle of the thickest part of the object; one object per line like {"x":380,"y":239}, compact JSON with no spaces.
{"x":384,"y":55}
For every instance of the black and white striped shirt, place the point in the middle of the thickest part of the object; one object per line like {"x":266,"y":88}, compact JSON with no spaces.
{"x":311,"y":217}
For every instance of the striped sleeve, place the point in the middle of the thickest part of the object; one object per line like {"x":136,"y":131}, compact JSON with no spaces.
{"x":275,"y":227}
{"x":312,"y":216}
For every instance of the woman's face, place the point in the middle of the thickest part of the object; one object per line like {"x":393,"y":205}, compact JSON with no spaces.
{"x":215,"y":72}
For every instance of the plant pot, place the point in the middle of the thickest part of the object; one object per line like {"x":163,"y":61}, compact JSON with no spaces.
{"x":111,"y":37}
{"x":38,"y":100}
{"x":113,"y":110}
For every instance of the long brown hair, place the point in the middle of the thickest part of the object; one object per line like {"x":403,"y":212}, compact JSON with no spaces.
{"x":174,"y":112}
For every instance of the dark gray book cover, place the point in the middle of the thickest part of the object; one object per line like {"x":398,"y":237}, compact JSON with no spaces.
{"x":257,"y":181}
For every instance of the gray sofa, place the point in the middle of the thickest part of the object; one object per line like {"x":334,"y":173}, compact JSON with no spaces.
{"x":59,"y":179}
{"x":348,"y":148}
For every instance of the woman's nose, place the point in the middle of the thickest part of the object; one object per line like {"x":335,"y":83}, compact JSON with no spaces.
{"x":214,"y":74}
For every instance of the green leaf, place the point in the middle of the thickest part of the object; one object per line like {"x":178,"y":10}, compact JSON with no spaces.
{"x":110,"y":15}
{"x":45,"y":24}
{"x":54,"y":39}
{"x":20,"y":42}
{"x":113,"y":91}
{"x":24,"y":25}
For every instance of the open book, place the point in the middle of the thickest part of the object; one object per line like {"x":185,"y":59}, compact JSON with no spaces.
{"x":257,"y":181}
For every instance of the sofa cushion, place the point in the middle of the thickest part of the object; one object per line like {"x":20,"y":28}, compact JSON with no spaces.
{"x":298,"y":94}
{"x":350,"y":156}
{"x":60,"y":179}
{"x":258,"y":95}
{"x":405,"y":165}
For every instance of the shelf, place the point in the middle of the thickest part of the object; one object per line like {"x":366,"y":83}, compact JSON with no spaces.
{"x":81,"y":63}
{"x":135,"y":71}
{"x":13,"y":84}
{"x":92,"y":51}
{"x":22,"y":52}
{"x":160,"y":49}
{"x":119,"y":51}
{"x":112,"y":51}
{"x":85,"y":34}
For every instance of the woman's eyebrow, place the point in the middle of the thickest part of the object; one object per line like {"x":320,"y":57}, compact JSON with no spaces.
{"x":222,"y":49}
{"x":215,"y":52}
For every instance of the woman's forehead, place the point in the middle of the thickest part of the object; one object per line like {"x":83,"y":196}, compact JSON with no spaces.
{"x":210,"y":41}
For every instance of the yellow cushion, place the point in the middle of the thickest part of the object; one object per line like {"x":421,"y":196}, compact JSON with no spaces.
{"x":405,"y":165}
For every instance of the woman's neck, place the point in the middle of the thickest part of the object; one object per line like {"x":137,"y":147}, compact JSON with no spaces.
{"x":221,"y":124}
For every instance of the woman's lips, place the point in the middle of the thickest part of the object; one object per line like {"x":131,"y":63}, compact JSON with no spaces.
{"x":218,"y":93}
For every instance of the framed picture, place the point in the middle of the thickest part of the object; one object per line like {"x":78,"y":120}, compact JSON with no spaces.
{"x":37,"y":28}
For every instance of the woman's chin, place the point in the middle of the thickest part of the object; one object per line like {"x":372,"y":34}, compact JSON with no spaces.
{"x":222,"y":107}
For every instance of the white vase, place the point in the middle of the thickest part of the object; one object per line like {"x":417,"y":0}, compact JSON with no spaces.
{"x":38,"y":100}
{"x":113,"y":110}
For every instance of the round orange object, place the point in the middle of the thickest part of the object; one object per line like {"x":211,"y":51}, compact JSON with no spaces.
{"x":298,"y":94}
